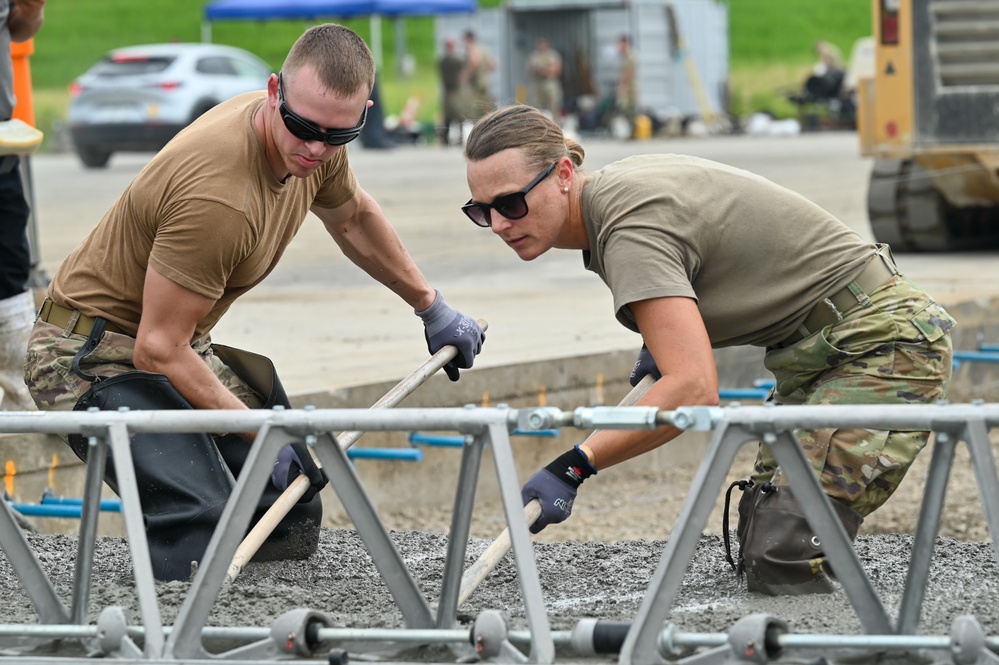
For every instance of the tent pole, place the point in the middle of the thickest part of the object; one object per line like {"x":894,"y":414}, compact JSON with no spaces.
{"x":400,"y":46}
{"x":376,"y":40}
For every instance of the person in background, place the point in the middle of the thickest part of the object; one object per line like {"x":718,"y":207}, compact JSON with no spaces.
{"x":128,"y":317}
{"x":700,"y":255}
{"x":626,"y":92}
{"x":449,"y":67}
{"x":20,"y":20}
{"x":825,"y":82}
{"x":479,"y":65}
{"x":544,"y":69}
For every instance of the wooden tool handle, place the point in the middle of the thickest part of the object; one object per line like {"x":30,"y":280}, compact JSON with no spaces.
{"x":297,"y":489}
{"x":489,"y":559}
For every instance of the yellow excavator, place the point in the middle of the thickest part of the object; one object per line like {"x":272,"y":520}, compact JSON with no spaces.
{"x":929,"y":116}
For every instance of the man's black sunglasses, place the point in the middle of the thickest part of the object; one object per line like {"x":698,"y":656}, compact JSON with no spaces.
{"x":302,"y":129}
{"x":511,"y":206}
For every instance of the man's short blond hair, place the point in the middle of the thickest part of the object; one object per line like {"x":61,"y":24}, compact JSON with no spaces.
{"x":342,"y":61}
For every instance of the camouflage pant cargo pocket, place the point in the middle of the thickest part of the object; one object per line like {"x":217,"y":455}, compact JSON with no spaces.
{"x":49,"y":376}
{"x":893,"y":349}
{"x":48,"y":367}
{"x":899,"y":333}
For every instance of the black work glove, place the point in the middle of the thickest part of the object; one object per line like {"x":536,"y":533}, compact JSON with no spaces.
{"x":444,"y":326}
{"x":645,"y":364}
{"x":294,"y":459}
{"x":555,"y":487}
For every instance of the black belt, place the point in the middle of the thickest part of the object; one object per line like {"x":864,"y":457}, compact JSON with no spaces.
{"x":830,"y":309}
{"x":60,"y":316}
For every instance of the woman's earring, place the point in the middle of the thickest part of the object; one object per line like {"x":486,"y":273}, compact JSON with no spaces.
{"x":565,"y":190}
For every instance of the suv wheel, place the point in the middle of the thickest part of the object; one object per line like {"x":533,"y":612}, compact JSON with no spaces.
{"x":93,"y":157}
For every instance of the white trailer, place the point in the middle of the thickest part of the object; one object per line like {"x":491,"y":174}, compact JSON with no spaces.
{"x":585,"y":32}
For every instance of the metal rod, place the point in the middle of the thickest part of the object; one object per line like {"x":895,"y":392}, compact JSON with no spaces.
{"x":826,"y":641}
{"x":87,"y":544}
{"x":668,"y":639}
{"x":398,"y":454}
{"x":976,"y":356}
{"x":743,"y":393}
{"x":938,"y":417}
{"x":107,"y":505}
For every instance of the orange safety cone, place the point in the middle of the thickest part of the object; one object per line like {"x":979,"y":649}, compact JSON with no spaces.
{"x":19,"y":135}
{"x":19,"y":54}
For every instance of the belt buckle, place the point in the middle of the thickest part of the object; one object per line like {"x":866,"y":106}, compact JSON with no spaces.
{"x":44,"y":310}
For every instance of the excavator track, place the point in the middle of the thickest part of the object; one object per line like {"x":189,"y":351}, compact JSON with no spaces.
{"x":908,"y":212}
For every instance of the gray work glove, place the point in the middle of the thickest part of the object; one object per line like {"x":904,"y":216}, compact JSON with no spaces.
{"x":645,"y":364}
{"x":294,"y":459}
{"x":444,"y":326}
{"x":555,"y":487}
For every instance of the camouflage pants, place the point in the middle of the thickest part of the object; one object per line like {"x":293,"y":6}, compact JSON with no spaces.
{"x":53,"y":385}
{"x":894,"y":348}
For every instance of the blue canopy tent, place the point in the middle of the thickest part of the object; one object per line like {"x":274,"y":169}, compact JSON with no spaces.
{"x":263,"y":10}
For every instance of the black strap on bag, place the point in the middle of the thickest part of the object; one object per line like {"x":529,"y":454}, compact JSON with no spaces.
{"x":185,"y":479}
{"x":88,"y":347}
{"x":743,"y":485}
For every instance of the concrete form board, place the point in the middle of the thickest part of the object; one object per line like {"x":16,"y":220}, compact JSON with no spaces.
{"x":664,"y":84}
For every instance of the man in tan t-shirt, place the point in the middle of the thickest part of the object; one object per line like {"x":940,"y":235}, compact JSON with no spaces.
{"x":479,"y":64}
{"x":544,"y":66}
{"x":626,"y":91}
{"x":129,"y":313}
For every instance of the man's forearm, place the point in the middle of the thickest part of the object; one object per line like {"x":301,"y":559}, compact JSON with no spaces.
{"x":374,"y":246}
{"x":188,"y":373}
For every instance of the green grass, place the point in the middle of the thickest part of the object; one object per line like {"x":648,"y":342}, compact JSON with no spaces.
{"x":773,"y":31}
{"x":770,"y":44}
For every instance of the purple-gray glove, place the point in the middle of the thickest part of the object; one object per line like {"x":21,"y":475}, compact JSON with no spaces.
{"x":447,"y":326}
{"x":289,"y":464}
{"x":645,"y":364}
{"x":555,"y":487}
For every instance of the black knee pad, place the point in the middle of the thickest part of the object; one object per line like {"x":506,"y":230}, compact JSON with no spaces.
{"x":182,"y":479}
{"x":296,"y":536}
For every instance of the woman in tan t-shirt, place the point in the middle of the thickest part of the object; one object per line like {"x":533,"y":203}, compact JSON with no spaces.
{"x":700,"y":255}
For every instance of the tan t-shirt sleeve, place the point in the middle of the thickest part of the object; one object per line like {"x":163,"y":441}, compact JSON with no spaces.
{"x":338,"y":185}
{"x":632,"y":276}
{"x":187,"y":250}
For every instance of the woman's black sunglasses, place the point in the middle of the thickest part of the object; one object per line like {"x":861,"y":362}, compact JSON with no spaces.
{"x":511,"y":206}
{"x":302,"y":129}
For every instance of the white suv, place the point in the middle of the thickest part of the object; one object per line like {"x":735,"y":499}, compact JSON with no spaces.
{"x":137,"y":98}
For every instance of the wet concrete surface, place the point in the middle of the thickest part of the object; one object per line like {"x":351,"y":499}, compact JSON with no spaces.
{"x":603,"y":580}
